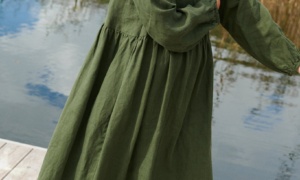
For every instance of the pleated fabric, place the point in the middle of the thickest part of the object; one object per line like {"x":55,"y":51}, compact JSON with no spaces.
{"x":132,"y":116}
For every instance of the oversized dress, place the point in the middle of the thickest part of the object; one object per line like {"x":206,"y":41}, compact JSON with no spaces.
{"x":141,"y":107}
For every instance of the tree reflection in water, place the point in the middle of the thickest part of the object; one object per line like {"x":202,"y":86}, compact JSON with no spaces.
{"x":287,"y":167}
{"x":266,"y":115}
{"x":232,"y":59}
{"x":274,"y":89}
{"x":72,"y":12}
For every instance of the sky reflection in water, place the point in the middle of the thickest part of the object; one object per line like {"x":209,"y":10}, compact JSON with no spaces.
{"x":256,"y":124}
{"x":40,"y":56}
{"x":42,"y":91}
{"x":15,"y":15}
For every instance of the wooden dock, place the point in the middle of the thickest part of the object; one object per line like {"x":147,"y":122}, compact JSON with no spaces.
{"x":20,"y":161}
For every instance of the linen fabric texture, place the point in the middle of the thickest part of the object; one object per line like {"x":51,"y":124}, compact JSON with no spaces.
{"x":141,"y":107}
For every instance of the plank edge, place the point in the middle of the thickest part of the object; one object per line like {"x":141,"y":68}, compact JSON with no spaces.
{"x":22,"y":144}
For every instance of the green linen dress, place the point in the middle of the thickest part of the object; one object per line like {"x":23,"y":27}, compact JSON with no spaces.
{"x":141,"y":107}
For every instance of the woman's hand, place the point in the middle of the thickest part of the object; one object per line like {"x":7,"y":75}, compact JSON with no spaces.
{"x":218,"y":4}
{"x":299,"y":69}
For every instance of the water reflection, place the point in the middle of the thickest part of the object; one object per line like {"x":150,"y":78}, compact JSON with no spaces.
{"x":16,"y":14}
{"x":289,"y":167}
{"x":38,"y":65}
{"x":42,"y":91}
{"x":256,"y":120}
{"x":263,"y":117}
{"x":72,"y":12}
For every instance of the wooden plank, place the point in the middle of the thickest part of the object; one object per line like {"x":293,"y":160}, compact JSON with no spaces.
{"x":2,"y":144}
{"x":21,"y":144}
{"x":29,"y":168}
{"x":10,"y":156}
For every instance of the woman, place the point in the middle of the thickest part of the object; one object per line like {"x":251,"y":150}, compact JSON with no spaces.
{"x":141,"y":107}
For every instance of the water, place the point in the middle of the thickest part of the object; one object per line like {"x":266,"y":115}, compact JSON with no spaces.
{"x":256,"y":121}
{"x":41,"y":52}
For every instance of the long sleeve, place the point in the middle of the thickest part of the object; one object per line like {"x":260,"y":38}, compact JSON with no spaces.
{"x":252,"y":26}
{"x":177,"y":28}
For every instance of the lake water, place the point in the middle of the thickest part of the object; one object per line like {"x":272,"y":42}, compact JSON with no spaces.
{"x":256,"y":119}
